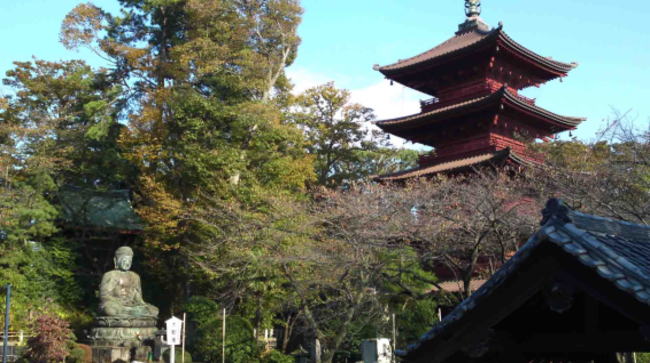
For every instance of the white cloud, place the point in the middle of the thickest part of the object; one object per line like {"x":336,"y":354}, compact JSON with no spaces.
{"x":388,"y":101}
{"x":303,"y":79}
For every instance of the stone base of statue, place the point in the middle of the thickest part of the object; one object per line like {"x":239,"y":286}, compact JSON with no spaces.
{"x":111,"y":355}
{"x":122,"y":339}
{"x":120,"y":354}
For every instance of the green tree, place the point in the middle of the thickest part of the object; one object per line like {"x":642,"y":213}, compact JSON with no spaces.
{"x":62,"y":125}
{"x":58,"y":128}
{"x":42,"y":279}
{"x":341,"y":139}
{"x":333,"y":128}
{"x":198,"y":70}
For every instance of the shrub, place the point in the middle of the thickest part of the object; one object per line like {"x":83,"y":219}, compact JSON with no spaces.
{"x":50,"y":344}
{"x":276,"y":357}
{"x":643,"y":357}
{"x":178,"y":356}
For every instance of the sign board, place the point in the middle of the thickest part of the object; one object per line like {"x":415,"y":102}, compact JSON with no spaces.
{"x":377,"y":351}
{"x":174,"y":327}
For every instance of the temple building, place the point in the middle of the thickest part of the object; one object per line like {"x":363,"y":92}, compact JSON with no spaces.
{"x":476,"y":115}
{"x":577,"y":291}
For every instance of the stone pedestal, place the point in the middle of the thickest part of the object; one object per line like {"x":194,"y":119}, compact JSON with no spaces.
{"x":120,"y":354}
{"x":122,"y":339}
{"x":111,"y":354}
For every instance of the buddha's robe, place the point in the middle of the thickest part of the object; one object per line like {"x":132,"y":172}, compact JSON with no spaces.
{"x":121,"y":295}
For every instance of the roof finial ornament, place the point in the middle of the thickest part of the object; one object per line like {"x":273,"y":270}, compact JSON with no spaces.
{"x":472,"y":8}
{"x":473,"y":21}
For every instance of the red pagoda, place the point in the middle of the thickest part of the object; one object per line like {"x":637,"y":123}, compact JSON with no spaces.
{"x":476,"y":116}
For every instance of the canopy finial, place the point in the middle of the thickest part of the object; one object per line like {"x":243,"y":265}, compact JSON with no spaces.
{"x":472,"y":8}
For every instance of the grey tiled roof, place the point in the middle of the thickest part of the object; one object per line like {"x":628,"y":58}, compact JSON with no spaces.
{"x":618,"y":251}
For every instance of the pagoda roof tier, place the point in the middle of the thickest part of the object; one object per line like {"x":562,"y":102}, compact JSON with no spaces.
{"x":406,"y":126}
{"x":468,"y":41}
{"x":494,"y":159}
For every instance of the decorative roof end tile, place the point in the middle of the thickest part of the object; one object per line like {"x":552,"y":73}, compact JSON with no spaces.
{"x":557,"y":211}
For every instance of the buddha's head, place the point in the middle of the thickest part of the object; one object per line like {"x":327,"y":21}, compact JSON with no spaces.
{"x":123,"y":258}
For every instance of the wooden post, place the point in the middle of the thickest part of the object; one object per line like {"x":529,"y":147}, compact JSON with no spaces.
{"x":183,"y":340}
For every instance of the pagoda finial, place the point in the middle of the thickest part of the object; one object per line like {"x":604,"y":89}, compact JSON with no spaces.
{"x":472,"y":8}
{"x":473,"y":21}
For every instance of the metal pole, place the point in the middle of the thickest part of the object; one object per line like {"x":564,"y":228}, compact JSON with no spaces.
{"x":183,"y":341}
{"x":6,"y":336}
{"x":172,"y":355}
{"x":223,"y":337}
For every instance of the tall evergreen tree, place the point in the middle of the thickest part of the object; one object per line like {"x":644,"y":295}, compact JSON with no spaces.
{"x":200,"y":79}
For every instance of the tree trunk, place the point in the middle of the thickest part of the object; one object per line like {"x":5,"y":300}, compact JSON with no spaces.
{"x":288,"y":329}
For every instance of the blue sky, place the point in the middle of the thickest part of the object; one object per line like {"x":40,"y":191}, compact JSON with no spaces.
{"x":342,"y":39}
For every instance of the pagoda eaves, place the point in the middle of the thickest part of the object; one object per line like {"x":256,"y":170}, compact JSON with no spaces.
{"x":491,"y":52}
{"x":494,"y":159}
{"x":489,"y":110}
